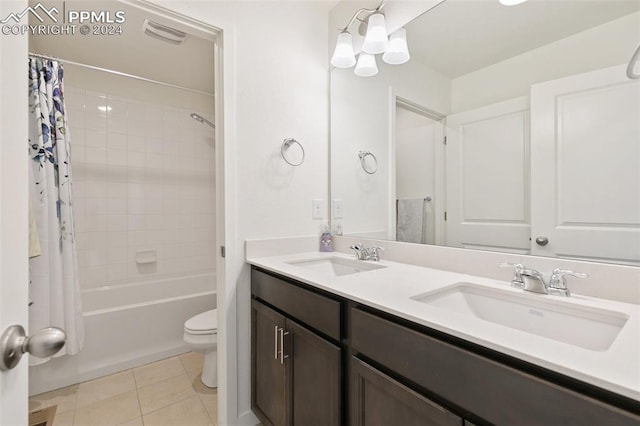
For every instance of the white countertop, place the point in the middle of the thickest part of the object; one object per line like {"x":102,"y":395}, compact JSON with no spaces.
{"x":390,"y":289}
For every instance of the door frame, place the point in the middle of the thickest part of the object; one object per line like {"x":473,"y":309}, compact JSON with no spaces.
{"x":14,"y":221}
{"x":438,"y":200}
{"x":14,"y":191}
{"x":225,"y":206}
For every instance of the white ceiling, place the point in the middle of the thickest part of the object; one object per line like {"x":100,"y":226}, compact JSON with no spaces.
{"x":189,"y":64}
{"x":461,"y":36}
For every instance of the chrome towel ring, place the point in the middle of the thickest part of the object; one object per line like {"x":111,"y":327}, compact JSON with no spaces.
{"x":291,"y":160}
{"x":371,"y":168}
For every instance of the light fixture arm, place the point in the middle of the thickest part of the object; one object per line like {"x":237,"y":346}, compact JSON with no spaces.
{"x":363,"y":10}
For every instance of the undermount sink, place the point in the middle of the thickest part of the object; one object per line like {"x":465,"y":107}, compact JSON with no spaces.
{"x":336,"y":266}
{"x":550,"y":317}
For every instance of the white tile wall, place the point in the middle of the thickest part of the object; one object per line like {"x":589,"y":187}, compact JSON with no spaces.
{"x":143,"y":179}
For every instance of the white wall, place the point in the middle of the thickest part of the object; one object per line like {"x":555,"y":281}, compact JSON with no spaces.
{"x":415,"y":154}
{"x":275,"y":86}
{"x":362,"y":111}
{"x":143,"y":178}
{"x":603,"y":46}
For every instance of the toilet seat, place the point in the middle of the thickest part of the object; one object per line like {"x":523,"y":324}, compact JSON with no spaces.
{"x":204,"y":323}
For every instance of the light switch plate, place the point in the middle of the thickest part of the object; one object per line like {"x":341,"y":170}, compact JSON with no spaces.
{"x":336,"y":206}
{"x":316,"y":209}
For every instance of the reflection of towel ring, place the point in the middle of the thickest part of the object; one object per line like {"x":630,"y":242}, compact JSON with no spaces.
{"x":365,"y":154}
{"x":632,"y":63}
{"x":286,"y":144}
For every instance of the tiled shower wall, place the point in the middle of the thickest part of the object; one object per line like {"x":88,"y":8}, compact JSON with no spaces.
{"x":143,"y":181}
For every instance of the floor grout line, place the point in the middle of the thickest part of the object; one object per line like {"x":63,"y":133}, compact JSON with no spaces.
{"x":182,"y":398}
{"x":135,"y":383}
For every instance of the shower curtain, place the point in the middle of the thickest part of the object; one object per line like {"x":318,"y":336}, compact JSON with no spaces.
{"x":55,"y":287}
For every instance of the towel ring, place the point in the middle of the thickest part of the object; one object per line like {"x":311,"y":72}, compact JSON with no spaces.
{"x":286,"y":144}
{"x":363,"y":155}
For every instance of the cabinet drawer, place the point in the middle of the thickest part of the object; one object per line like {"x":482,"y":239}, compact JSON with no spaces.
{"x":312,"y":309}
{"x":497,"y":393}
{"x":380,"y":400}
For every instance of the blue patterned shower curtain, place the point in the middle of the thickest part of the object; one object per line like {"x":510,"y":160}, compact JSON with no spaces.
{"x":55,"y":287}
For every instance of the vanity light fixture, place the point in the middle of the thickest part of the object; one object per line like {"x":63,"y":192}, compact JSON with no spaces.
{"x":366,"y":66}
{"x":398,"y":51}
{"x":376,"y":41}
{"x":343,"y":56}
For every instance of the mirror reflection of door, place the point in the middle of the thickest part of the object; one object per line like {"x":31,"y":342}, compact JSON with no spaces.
{"x":488,"y":177}
{"x":586,"y":202}
{"x":418,"y":176}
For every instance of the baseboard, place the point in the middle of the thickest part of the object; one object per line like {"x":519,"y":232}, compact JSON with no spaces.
{"x":247,"y":419}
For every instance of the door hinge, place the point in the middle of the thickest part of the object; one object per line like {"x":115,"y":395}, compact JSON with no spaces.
{"x":445,"y":216}
{"x":444,"y":140}
{"x":223,"y":251}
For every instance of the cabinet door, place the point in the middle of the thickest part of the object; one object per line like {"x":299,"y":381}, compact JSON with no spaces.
{"x":316,"y":378}
{"x":377,"y":399}
{"x":269,"y":379}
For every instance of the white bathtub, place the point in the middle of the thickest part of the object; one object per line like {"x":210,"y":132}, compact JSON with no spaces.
{"x":128,"y":325}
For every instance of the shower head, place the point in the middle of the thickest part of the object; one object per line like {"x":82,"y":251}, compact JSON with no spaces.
{"x":202,"y":120}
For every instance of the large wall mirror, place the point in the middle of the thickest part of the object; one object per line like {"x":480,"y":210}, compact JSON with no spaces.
{"x":542,"y":128}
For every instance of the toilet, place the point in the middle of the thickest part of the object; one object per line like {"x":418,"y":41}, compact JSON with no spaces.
{"x":201,"y":335}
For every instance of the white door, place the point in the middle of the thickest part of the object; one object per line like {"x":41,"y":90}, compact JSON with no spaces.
{"x":487,"y":177}
{"x":13,"y":210}
{"x":585,"y":138}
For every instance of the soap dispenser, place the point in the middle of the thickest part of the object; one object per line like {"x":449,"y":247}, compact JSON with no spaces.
{"x":326,"y":240}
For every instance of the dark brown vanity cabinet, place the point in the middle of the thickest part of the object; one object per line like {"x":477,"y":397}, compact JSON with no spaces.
{"x":318,"y":359}
{"x":296,"y":372}
{"x":481,"y":387}
{"x":270,"y":388}
{"x":377,"y":399}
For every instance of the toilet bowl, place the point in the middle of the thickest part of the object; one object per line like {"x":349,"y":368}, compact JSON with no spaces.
{"x":201,"y":335}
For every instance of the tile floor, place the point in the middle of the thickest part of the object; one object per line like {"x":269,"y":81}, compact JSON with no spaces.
{"x":167,"y":392}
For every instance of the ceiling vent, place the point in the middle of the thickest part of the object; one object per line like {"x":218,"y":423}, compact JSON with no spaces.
{"x":163,"y":32}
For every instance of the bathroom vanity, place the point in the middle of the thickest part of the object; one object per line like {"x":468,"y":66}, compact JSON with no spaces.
{"x":322,"y":354}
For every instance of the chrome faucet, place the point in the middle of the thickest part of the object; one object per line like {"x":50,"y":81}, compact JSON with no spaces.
{"x":558,"y":283}
{"x":534,"y":281}
{"x":359,"y":251}
{"x":374,"y":253}
{"x":531,"y":280}
{"x":366,"y":253}
{"x":517,"y":280}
